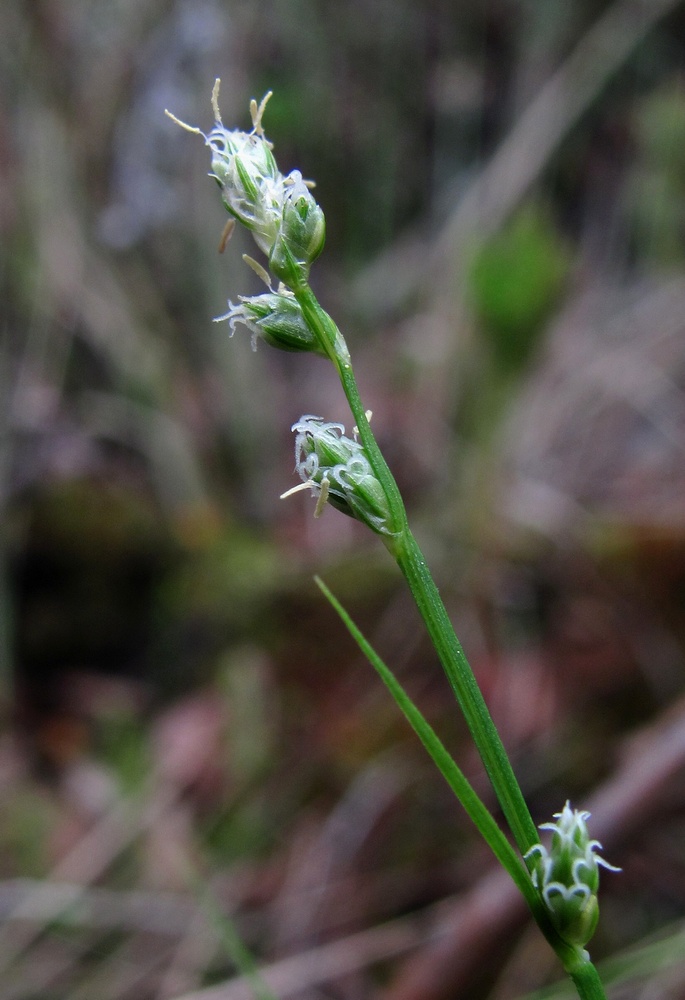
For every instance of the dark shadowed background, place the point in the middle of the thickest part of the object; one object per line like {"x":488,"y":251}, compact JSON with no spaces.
{"x":192,"y":752}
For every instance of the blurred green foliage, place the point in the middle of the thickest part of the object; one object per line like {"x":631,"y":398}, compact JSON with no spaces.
{"x":28,"y":818}
{"x":516,"y":281}
{"x":656,"y":186}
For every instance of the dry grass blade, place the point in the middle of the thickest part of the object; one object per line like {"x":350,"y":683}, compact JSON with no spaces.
{"x":522,"y":156}
{"x":326,"y":963}
{"x":504,"y":180}
{"x":85,"y":863}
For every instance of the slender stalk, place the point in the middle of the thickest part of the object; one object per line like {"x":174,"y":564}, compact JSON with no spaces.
{"x":451,"y":772}
{"x":329,"y":335}
{"x":574,"y":960}
{"x":227,"y":934}
{"x":586,"y":980}
{"x":465,"y":687}
{"x":406,"y":551}
{"x":412,"y":563}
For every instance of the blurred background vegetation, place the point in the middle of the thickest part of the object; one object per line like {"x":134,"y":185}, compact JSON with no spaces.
{"x":189,"y":744}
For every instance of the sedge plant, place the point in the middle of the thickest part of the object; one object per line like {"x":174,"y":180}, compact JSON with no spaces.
{"x":559,"y":882}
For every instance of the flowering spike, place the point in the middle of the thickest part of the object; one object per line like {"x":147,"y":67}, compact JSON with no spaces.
{"x":301,"y":234}
{"x":337,"y":470}
{"x":275,"y":317}
{"x":280,"y":211}
{"x":567,"y":875}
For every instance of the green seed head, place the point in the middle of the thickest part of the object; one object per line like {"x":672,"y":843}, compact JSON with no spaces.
{"x":337,"y":470}
{"x":301,"y":234}
{"x":567,"y":875}
{"x":252,"y":188}
{"x":275,"y":317}
{"x":280,"y":211}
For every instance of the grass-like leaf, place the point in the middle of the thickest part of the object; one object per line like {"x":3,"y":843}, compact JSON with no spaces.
{"x":451,"y":772}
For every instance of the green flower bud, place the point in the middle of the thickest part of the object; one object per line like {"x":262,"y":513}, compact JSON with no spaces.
{"x":285,"y":220}
{"x":337,"y":471}
{"x":567,"y":875}
{"x":252,"y":188}
{"x":301,"y":234}
{"x":276,"y":317}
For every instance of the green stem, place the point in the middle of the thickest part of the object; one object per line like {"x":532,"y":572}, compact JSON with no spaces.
{"x":334,"y":344}
{"x":227,"y":934}
{"x":406,"y":551}
{"x":572,"y":958}
{"x":451,"y":772}
{"x":464,"y":684}
{"x":586,"y":980}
